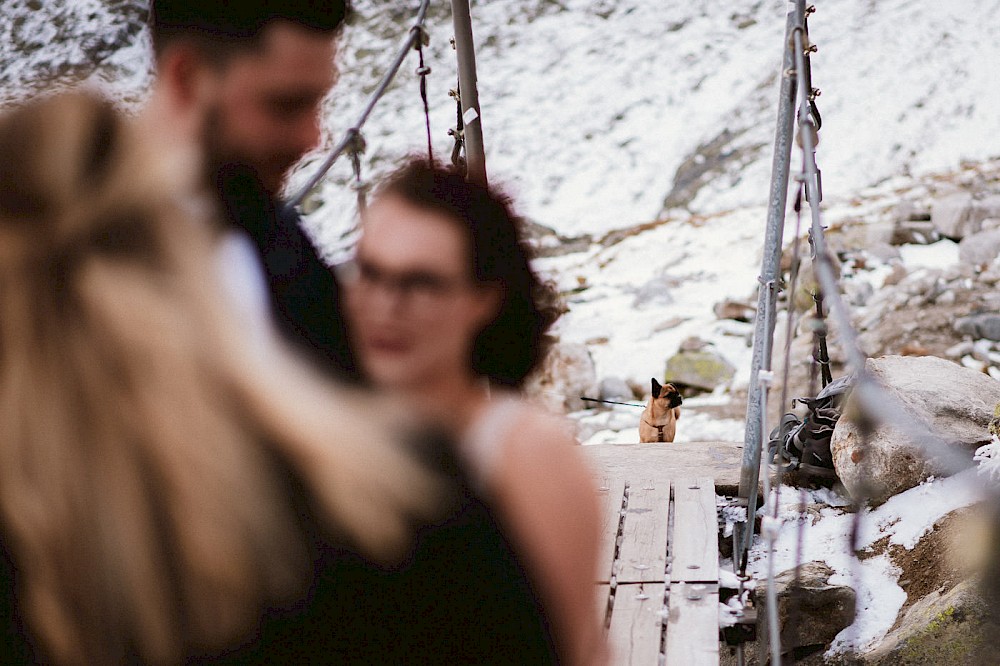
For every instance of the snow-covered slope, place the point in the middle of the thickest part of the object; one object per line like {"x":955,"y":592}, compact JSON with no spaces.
{"x":590,"y":107}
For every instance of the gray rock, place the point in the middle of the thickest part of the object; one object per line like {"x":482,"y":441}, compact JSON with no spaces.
{"x":980,"y":248}
{"x":914,"y":233}
{"x":700,"y":369}
{"x":980,"y":326}
{"x":730,"y":309}
{"x":949,"y":214}
{"x":883,"y":252}
{"x":669,"y":324}
{"x":907,"y":211}
{"x":811,"y":614}
{"x":654,"y":292}
{"x":950,"y":629}
{"x":990,"y":223}
{"x":566,"y":374}
{"x":693,"y":344}
{"x":853,"y":235}
{"x":895,"y":276}
{"x":949,"y":297}
{"x":614,"y":388}
{"x":955,"y":402}
{"x":959,"y":215}
{"x":858,"y":292}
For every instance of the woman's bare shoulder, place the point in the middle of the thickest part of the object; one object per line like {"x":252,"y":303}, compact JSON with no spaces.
{"x":543,"y":443}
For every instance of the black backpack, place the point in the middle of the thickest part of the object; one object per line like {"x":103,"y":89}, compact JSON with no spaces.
{"x":804,"y":445}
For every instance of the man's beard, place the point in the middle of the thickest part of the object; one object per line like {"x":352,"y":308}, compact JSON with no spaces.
{"x":223,"y":156}
{"x":244,"y":200}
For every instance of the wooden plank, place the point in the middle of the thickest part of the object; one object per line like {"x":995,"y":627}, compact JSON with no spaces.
{"x":643,"y":552}
{"x":721,"y":461}
{"x":611,"y":493}
{"x":636,"y":624}
{"x":695,"y":541}
{"x":693,"y":625}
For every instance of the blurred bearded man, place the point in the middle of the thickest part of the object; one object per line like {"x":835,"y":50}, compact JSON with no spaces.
{"x":243,"y":82}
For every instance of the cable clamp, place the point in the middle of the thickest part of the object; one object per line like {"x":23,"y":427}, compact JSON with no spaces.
{"x":422,"y":37}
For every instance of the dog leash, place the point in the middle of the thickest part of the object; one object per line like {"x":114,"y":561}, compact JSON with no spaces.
{"x":612,"y":402}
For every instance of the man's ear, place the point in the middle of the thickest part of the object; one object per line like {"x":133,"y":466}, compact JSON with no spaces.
{"x":185,"y":72}
{"x":656,"y":388}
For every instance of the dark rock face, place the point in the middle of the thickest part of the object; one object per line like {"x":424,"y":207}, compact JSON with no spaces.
{"x":723,"y":154}
{"x":811,"y":611}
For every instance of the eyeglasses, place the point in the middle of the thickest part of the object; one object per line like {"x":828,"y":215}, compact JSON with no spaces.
{"x":418,"y":289}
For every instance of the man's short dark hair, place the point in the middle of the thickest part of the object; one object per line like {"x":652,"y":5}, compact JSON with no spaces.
{"x":232,"y":25}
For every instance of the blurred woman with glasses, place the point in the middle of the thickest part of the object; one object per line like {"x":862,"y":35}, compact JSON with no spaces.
{"x":446,"y":311}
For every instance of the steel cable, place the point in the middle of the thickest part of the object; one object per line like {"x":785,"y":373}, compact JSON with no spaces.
{"x":412,"y":38}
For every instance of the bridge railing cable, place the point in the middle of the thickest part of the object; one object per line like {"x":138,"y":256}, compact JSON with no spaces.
{"x":414,"y":39}
{"x":874,"y":406}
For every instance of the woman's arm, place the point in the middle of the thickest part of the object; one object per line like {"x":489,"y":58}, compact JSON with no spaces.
{"x":547,"y":498}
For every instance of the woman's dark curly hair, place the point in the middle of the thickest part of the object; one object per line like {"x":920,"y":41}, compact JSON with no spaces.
{"x":515,"y":342}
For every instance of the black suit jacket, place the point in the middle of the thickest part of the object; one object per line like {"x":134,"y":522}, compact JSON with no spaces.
{"x":304,"y":290}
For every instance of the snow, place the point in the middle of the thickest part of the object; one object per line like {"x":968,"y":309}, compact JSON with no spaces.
{"x":903,"y":520}
{"x":941,"y":254}
{"x":988,"y":457}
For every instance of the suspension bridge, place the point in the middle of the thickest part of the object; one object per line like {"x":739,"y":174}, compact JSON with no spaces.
{"x":659,"y":581}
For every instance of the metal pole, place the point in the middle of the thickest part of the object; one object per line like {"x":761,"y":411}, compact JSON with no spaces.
{"x":475,"y":156}
{"x":770,"y":265}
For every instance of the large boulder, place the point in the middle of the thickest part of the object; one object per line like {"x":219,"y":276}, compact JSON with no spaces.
{"x":980,"y":248}
{"x":950,"y":629}
{"x":958,"y":215}
{"x":956,"y":402}
{"x":702,"y":369}
{"x":566,"y":374}
{"x":810,"y":613}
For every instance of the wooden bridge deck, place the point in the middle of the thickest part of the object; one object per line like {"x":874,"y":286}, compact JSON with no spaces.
{"x":659,"y":556}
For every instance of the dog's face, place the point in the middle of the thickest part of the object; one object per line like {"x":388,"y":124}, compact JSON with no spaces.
{"x":668,"y":393}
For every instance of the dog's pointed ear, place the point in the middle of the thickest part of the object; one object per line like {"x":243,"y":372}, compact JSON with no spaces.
{"x":656,"y":388}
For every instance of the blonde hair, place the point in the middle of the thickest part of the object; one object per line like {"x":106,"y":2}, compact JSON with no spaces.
{"x":140,"y":503}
